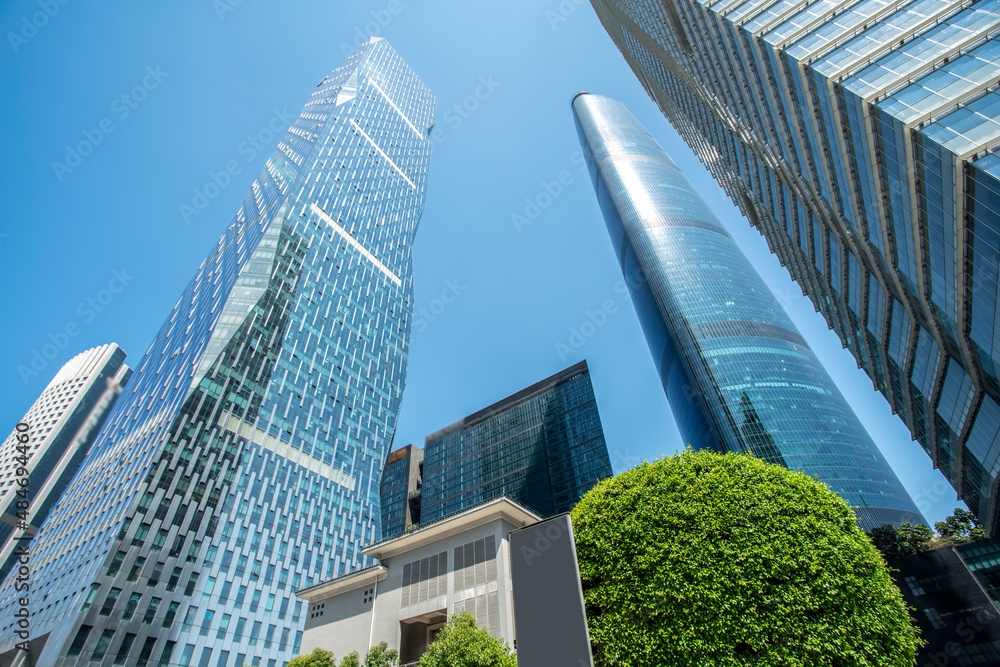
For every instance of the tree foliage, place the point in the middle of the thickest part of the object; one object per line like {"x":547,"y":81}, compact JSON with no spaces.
{"x":962,"y":526}
{"x":377,"y":656}
{"x":906,"y":540}
{"x":462,"y":643}
{"x":318,"y":658}
{"x":381,"y":656}
{"x":725,"y":560}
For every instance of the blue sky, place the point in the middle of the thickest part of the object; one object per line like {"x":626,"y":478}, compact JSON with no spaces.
{"x":168,"y":93}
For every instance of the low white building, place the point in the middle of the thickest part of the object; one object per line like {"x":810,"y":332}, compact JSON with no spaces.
{"x":461,"y":563}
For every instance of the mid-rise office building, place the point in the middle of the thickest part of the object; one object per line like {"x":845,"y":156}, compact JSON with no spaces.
{"x":543,"y":447}
{"x":243,"y":460}
{"x":53,"y":437}
{"x":402,"y":480}
{"x":736,"y":371}
{"x":860,"y":137}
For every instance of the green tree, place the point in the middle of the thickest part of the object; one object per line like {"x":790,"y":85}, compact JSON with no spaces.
{"x":961,"y":527}
{"x":318,"y":658}
{"x":461,"y":643}
{"x":381,"y":656}
{"x":352,"y":659}
{"x":725,"y":560}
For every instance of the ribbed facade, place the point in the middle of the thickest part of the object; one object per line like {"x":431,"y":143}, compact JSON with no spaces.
{"x":243,"y":461}
{"x":59,"y":428}
{"x":737,"y":373}
{"x":857,"y":136}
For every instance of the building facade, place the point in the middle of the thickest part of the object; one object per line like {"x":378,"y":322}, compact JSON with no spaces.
{"x":57,"y":431}
{"x":859,"y":137}
{"x":400,"y":487}
{"x":737,"y":373}
{"x":458,"y":564}
{"x":543,"y":447}
{"x":243,"y":461}
{"x":959,"y":622}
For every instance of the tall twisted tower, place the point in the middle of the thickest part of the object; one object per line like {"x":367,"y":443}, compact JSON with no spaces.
{"x":737,"y":373}
{"x":243,"y":460}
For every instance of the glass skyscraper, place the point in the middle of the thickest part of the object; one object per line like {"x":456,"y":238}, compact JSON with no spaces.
{"x":543,"y":447}
{"x":243,"y":460}
{"x":860,"y":138}
{"x":56,"y":433}
{"x":737,"y":373}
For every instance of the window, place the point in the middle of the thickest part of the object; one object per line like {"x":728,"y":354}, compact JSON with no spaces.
{"x":140,"y":535}
{"x":206,"y":625}
{"x":154,"y":576}
{"x":102,"y":646}
{"x":168,"y":618}
{"x":123,"y":650}
{"x":168,"y":652}
{"x":109,"y":602}
{"x":255,"y":633}
{"x":116,"y":563}
{"x":150,"y":614}
{"x":79,"y":641}
{"x":90,"y":597}
{"x":189,"y":618}
{"x":174,"y":578}
{"x":147,"y":650}
{"x":133,"y":602}
{"x":936,"y":622}
{"x":192,"y":582}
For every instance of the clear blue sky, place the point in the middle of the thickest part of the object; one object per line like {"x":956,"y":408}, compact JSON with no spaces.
{"x":200,"y":79}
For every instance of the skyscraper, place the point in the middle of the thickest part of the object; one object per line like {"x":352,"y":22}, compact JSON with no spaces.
{"x":543,"y":447}
{"x":737,"y":373}
{"x":243,"y":461}
{"x":859,"y":137}
{"x":59,"y":427}
{"x":402,"y":479}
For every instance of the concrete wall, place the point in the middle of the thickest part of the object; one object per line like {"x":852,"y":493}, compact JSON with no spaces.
{"x":340,"y":623}
{"x":345,"y":621}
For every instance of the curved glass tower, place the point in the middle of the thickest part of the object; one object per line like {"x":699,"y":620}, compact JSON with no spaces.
{"x":737,"y":373}
{"x":243,"y":460}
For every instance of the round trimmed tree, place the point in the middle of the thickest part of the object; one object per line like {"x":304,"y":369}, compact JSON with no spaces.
{"x":725,"y":560}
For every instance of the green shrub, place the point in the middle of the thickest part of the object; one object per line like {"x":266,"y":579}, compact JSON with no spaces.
{"x":318,"y":658}
{"x":461,"y":643}
{"x":725,"y":560}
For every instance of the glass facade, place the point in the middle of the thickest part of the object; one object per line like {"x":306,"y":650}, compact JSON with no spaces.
{"x":543,"y":447}
{"x":737,"y":373}
{"x":243,"y":460}
{"x":876,"y":124}
{"x":400,"y":488}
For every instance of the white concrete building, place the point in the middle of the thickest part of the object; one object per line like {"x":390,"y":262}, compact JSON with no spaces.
{"x":461,"y":563}
{"x":60,"y":426}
